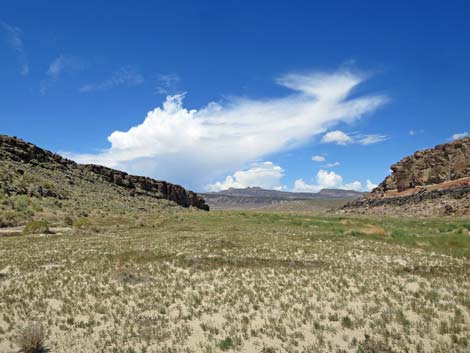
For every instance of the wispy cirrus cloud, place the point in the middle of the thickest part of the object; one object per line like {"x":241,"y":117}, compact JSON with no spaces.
{"x":59,"y":66}
{"x":124,"y":76}
{"x":13,"y":36}
{"x":332,"y":165}
{"x":341,"y":138}
{"x":167,"y":84}
{"x":371,"y":139}
{"x":194,"y":147}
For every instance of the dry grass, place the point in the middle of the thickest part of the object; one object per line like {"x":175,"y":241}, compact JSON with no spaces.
{"x":31,"y":340}
{"x":241,"y":281}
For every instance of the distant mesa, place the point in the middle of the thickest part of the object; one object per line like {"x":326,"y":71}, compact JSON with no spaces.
{"x":339,"y":193}
{"x":18,"y":153}
{"x":430,"y":182}
{"x":256,"y":197}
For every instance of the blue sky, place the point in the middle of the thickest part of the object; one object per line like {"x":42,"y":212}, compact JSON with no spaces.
{"x":256,"y":88}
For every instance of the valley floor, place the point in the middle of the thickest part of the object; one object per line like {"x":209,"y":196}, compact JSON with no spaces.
{"x":246,"y":281}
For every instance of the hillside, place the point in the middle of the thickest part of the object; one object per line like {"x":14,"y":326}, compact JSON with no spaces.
{"x":38,"y":183}
{"x":255,"y":197}
{"x":430,"y":182}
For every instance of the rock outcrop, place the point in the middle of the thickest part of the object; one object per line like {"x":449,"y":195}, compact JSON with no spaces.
{"x":443,"y":163}
{"x":431,"y":182}
{"x":20,"y":152}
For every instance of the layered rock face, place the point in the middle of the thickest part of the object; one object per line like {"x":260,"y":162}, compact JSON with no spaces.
{"x":431,"y":182}
{"x":149,"y":186}
{"x":443,"y":163}
{"x":19,"y":151}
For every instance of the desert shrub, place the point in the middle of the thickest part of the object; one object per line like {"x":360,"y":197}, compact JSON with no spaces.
{"x":333,"y":317}
{"x":226,"y":344}
{"x":373,"y":345}
{"x":68,"y":220}
{"x":347,"y":322}
{"x":83,"y":214}
{"x":36,"y":207}
{"x":37,"y":227}
{"x":31,"y":340}
{"x":9,"y":219}
{"x":7,"y":202}
{"x":81,"y":223}
{"x":22,"y":203}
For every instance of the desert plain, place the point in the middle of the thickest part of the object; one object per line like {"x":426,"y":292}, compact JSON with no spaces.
{"x":181,"y":280}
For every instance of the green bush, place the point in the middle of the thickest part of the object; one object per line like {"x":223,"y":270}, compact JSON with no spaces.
{"x":37,"y":227}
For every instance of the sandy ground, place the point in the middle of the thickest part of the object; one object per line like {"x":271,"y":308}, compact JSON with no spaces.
{"x":211,"y":290}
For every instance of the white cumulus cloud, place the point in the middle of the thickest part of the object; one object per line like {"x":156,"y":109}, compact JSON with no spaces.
{"x":301,"y":186}
{"x":193,"y":147}
{"x":330,"y":180}
{"x":265,"y":175}
{"x":338,"y":137}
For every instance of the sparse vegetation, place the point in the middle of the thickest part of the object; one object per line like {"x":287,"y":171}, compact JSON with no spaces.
{"x":177,"y":280}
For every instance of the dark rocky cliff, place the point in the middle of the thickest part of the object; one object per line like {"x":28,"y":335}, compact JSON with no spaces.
{"x":16,"y":150}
